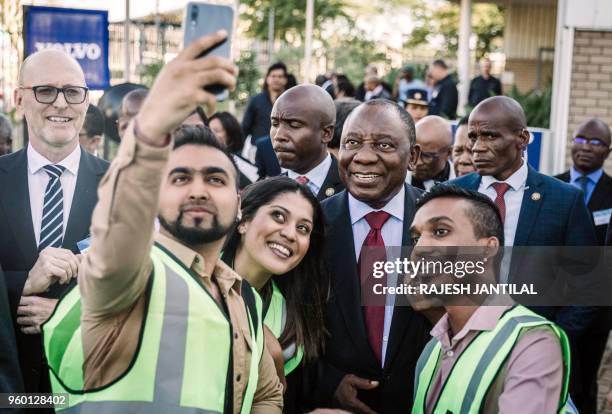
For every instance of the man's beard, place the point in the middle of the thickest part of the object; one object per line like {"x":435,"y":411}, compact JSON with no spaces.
{"x":194,"y":236}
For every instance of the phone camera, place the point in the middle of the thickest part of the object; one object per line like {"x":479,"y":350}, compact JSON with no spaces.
{"x":194,"y":14}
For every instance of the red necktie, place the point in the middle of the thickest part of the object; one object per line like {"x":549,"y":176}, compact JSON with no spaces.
{"x":373,"y":250}
{"x":302,"y":179}
{"x":500,"y":189}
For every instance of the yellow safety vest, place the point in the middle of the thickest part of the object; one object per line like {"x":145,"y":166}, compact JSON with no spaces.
{"x":465,"y":389}
{"x":182,"y":361}
{"x":275,"y":319}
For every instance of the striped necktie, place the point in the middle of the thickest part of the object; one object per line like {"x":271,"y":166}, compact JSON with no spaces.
{"x":52,"y":225}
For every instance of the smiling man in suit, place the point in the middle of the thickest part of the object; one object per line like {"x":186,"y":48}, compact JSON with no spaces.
{"x":303,"y":120}
{"x":590,"y":148}
{"x":371,"y":352}
{"x":537,"y":210}
{"x":47,"y":195}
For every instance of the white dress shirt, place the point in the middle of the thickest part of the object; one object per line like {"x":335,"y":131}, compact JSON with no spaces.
{"x":316,"y":176}
{"x":37,"y":184}
{"x":392,"y":232}
{"x":513,"y":199}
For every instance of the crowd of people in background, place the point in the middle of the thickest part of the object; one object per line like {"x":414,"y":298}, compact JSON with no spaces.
{"x":220,"y":262}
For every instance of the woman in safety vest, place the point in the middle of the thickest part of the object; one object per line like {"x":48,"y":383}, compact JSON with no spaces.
{"x":277,"y":247}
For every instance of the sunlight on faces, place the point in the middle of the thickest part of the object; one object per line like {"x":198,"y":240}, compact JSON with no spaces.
{"x":199,"y":201}
{"x":278,"y":237}
{"x":57,"y":124}
{"x":374,"y":154}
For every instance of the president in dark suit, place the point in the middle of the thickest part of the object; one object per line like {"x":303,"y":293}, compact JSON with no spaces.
{"x":537,"y":210}
{"x":47,"y":195}
{"x":303,"y":121}
{"x":590,"y":148}
{"x":371,"y":353}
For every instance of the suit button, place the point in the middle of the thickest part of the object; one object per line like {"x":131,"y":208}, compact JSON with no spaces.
{"x":388,"y":377}
{"x":238,"y":378}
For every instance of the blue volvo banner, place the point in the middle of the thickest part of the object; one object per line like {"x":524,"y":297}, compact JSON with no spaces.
{"x":83,"y":34}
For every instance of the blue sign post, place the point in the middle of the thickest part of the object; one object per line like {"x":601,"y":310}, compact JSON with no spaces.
{"x":83,"y":34}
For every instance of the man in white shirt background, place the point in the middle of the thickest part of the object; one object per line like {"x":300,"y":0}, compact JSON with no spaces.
{"x":303,"y":120}
{"x":47,"y":195}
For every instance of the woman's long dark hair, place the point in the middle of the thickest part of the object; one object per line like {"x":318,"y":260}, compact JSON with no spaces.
{"x":306,"y":287}
{"x":233,"y":131}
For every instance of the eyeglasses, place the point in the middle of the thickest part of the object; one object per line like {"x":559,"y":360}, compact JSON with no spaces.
{"x":428,"y":157}
{"x":596,"y":142}
{"x":45,"y":94}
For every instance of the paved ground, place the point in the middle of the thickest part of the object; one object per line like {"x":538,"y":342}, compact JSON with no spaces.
{"x":605,"y":378}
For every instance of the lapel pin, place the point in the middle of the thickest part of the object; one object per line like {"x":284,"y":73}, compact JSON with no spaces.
{"x":536,"y":196}
{"x":330,"y":192}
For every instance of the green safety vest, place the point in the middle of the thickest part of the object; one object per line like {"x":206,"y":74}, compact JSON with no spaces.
{"x":465,"y":389}
{"x":182,"y":360}
{"x":275,"y":319}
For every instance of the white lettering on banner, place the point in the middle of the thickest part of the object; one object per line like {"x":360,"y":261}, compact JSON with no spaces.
{"x":80,"y":51}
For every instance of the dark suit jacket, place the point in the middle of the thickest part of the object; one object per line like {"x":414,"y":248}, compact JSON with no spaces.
{"x":601,"y":199}
{"x":558,"y":217}
{"x":265,"y":159}
{"x":445,"y":99}
{"x":10,"y":375}
{"x":18,"y":250}
{"x":332,"y":184}
{"x":347,"y":349}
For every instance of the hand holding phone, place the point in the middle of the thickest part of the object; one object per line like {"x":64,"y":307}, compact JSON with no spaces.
{"x":201,"y":19}
{"x":179,"y":88}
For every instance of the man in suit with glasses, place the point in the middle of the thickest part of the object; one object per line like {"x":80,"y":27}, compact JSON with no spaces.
{"x":590,"y":149}
{"x":47,"y":195}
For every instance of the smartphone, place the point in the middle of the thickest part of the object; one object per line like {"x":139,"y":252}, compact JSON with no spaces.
{"x":202,"y":19}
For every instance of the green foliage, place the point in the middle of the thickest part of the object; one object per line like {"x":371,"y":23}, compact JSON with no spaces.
{"x":350,"y":54}
{"x":536,"y":104}
{"x":289,"y":17}
{"x":149,"y":72}
{"x":441,"y":24}
{"x":248,"y":76}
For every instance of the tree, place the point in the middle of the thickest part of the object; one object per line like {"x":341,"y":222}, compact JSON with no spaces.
{"x":441,"y":25}
{"x":248,"y":76}
{"x":351,"y":53}
{"x":289,"y":17}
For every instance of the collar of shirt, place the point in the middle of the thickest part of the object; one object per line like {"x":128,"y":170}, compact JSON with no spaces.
{"x":516,"y":180}
{"x":226,"y":277}
{"x":317,"y":175}
{"x":483,"y":319}
{"x":36,"y":161}
{"x":593,"y":177}
{"x":395,"y":207}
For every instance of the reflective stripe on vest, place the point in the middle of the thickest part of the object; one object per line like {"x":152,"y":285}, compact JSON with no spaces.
{"x":470,"y":378}
{"x":275,"y":319}
{"x":181,"y":364}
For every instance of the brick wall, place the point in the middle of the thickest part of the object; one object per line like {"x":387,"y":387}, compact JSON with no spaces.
{"x":591,"y":84}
